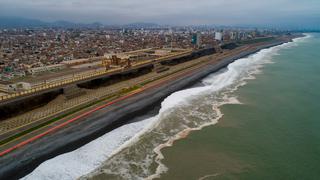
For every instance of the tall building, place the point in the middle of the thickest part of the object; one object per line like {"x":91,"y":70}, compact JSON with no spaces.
{"x":196,"y":39}
{"x":218,"y":36}
{"x":233,"y":35}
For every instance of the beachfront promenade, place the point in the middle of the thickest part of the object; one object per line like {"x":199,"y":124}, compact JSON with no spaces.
{"x":60,"y":82}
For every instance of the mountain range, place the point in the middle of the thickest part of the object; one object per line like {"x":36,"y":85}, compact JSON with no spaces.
{"x":18,"y":22}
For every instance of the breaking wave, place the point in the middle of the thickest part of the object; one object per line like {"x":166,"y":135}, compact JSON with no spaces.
{"x":74,"y":164}
{"x":133,"y":151}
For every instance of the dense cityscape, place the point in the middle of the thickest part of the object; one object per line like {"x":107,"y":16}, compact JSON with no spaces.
{"x":24,"y":49}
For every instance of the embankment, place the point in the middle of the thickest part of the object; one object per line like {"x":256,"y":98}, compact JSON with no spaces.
{"x":30,"y":102}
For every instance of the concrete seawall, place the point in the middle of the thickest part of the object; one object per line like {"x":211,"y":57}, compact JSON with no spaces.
{"x":24,"y":160}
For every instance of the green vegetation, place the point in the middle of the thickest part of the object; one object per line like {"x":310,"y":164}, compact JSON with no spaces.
{"x":127,"y":90}
{"x":258,"y":40}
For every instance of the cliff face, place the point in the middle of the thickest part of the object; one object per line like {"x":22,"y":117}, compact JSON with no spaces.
{"x":25,"y":104}
{"x":20,"y":106}
{"x":193,"y":55}
{"x":230,"y":46}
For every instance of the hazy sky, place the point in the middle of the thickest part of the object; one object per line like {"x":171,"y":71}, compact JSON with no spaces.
{"x":181,"y":12}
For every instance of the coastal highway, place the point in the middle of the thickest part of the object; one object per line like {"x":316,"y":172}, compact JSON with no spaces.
{"x":83,"y":115}
{"x":38,"y":146}
{"x":19,"y":125}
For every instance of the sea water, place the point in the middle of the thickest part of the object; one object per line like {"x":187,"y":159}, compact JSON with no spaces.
{"x":273,"y":134}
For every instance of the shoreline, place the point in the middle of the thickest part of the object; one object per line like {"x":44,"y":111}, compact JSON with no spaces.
{"x":100,"y":123}
{"x":162,"y":168}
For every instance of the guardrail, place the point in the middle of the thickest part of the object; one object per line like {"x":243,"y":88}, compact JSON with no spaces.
{"x":53,"y":84}
{"x":74,"y":78}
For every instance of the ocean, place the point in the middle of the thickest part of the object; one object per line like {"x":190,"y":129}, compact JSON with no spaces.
{"x":255,"y":119}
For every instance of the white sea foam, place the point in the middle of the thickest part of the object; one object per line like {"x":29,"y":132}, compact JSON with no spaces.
{"x":74,"y":164}
{"x":237,"y":74}
{"x":82,"y":161}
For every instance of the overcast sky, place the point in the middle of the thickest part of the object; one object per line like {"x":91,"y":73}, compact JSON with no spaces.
{"x":180,"y":12}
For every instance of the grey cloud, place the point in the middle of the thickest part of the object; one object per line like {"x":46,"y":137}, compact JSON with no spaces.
{"x":164,"y":11}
